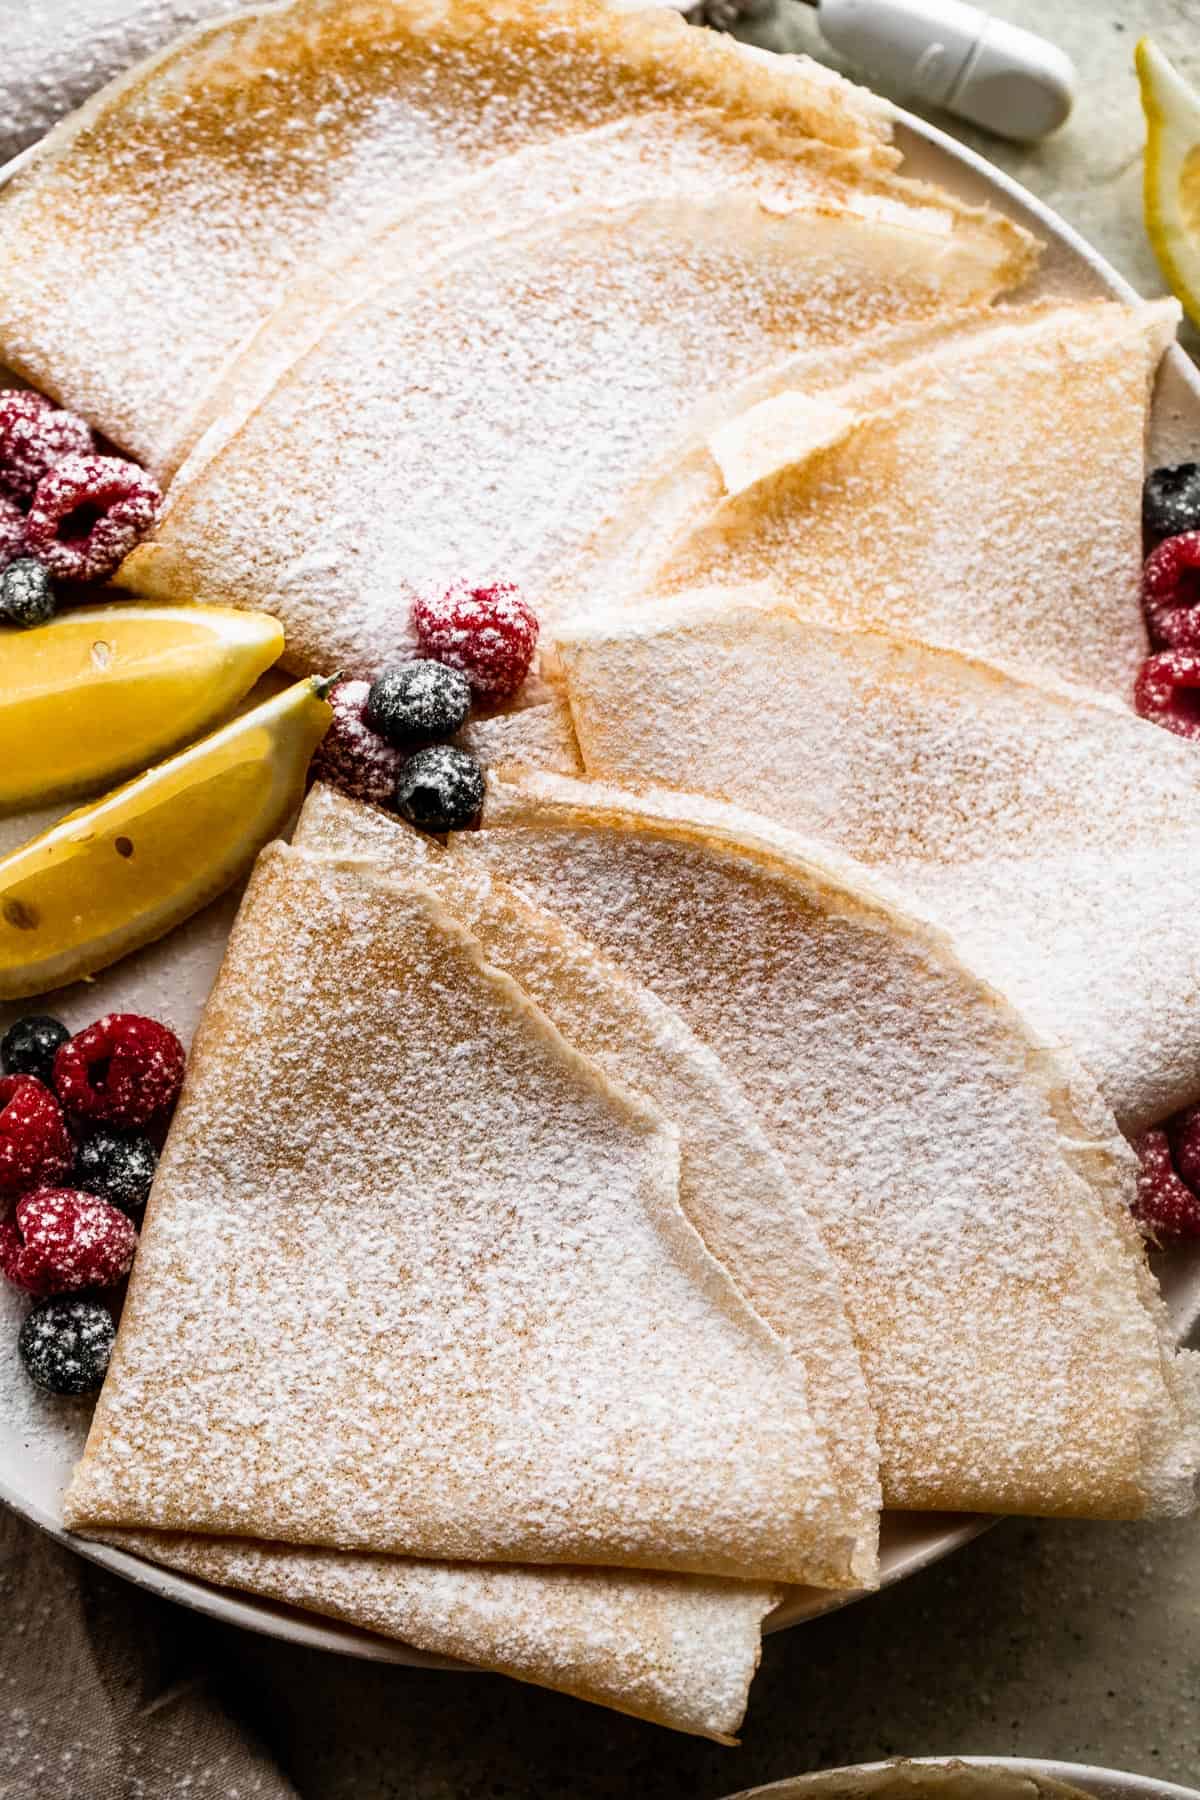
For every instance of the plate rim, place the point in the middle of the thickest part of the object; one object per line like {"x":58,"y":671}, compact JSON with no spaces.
{"x":312,"y":1630}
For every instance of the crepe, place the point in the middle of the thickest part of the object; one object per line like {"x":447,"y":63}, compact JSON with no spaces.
{"x":969,"y":1181}
{"x":256,"y":146}
{"x":733,"y":1187}
{"x":1052,"y":832}
{"x":478,"y":418}
{"x":680,"y":1650}
{"x":406,"y":1248}
{"x":971,"y":253}
{"x":983,"y":492}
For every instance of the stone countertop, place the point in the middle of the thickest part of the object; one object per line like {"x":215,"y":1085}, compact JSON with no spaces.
{"x":1066,"y":1640}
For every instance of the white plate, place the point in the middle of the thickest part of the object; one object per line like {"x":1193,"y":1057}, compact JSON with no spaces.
{"x":1101,"y":1784}
{"x":40,"y":1438}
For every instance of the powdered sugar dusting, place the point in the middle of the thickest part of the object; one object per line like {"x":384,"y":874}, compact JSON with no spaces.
{"x":394,"y":1277}
{"x":1050,"y":830}
{"x":968,"y":1186}
{"x":491,"y":447}
{"x":680,"y":1650}
{"x":259,"y":145}
{"x":989,"y":498}
{"x":733,"y":1187}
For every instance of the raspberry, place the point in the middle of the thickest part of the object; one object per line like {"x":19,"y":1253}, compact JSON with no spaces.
{"x":1183,"y":1132}
{"x":87,"y":515}
{"x":35,"y":1147}
{"x":440,"y":789}
{"x":65,"y":1344}
{"x":1165,"y":692}
{"x":351,"y":756}
{"x":489,"y":633}
{"x":12,"y":532}
{"x":34,"y":436}
{"x":123,"y":1069}
{"x":1170,"y":590}
{"x":60,"y":1240}
{"x":1165,"y":1206}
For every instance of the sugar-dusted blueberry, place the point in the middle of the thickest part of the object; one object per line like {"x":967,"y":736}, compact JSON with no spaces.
{"x":440,"y":789}
{"x":117,"y":1165}
{"x":1171,"y":500}
{"x":30,"y":1046}
{"x":65,"y":1344}
{"x":27,"y":596}
{"x":417,"y":701}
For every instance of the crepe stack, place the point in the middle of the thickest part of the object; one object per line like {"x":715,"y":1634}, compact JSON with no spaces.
{"x":569,"y":1236}
{"x":1051,"y":831}
{"x":426,"y":1275}
{"x":454,"y":1268}
{"x":257,"y":146}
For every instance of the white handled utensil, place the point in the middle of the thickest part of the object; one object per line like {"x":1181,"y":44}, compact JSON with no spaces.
{"x":942,"y":52}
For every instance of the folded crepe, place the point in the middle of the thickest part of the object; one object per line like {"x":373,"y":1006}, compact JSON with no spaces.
{"x":677,"y":1649}
{"x":680,"y":1650}
{"x":416,"y":1279}
{"x":971,"y":253}
{"x":982,"y":492}
{"x":969,"y":1181}
{"x":1052,"y":832}
{"x":478,"y":417}
{"x":733,"y":1187}
{"x":257,"y":145}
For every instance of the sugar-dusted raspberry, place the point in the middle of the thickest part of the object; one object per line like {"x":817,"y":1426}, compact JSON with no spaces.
{"x":1183,"y":1131}
{"x":60,"y":1240}
{"x":1165,"y":1207}
{"x":1170,"y":592}
{"x":489,"y":633}
{"x":1167,"y":692}
{"x":12,"y":532}
{"x":351,"y":756}
{"x":123,"y":1069}
{"x":66,"y":1342}
{"x":34,"y":436}
{"x":87,"y":515}
{"x":35,"y":1146}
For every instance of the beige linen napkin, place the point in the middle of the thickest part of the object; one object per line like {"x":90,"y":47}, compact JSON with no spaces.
{"x":101,"y":1693}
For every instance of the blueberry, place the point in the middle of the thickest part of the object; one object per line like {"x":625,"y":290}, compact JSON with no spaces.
{"x":65,"y":1344}
{"x":29,"y":1046}
{"x":26,"y":594}
{"x":1171,"y":500}
{"x":440,"y":789}
{"x":417,"y":700}
{"x":117,"y":1166}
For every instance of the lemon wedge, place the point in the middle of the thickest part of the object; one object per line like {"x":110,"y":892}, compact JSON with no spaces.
{"x":115,"y":875}
{"x":103,"y":691}
{"x":1172,"y":179}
